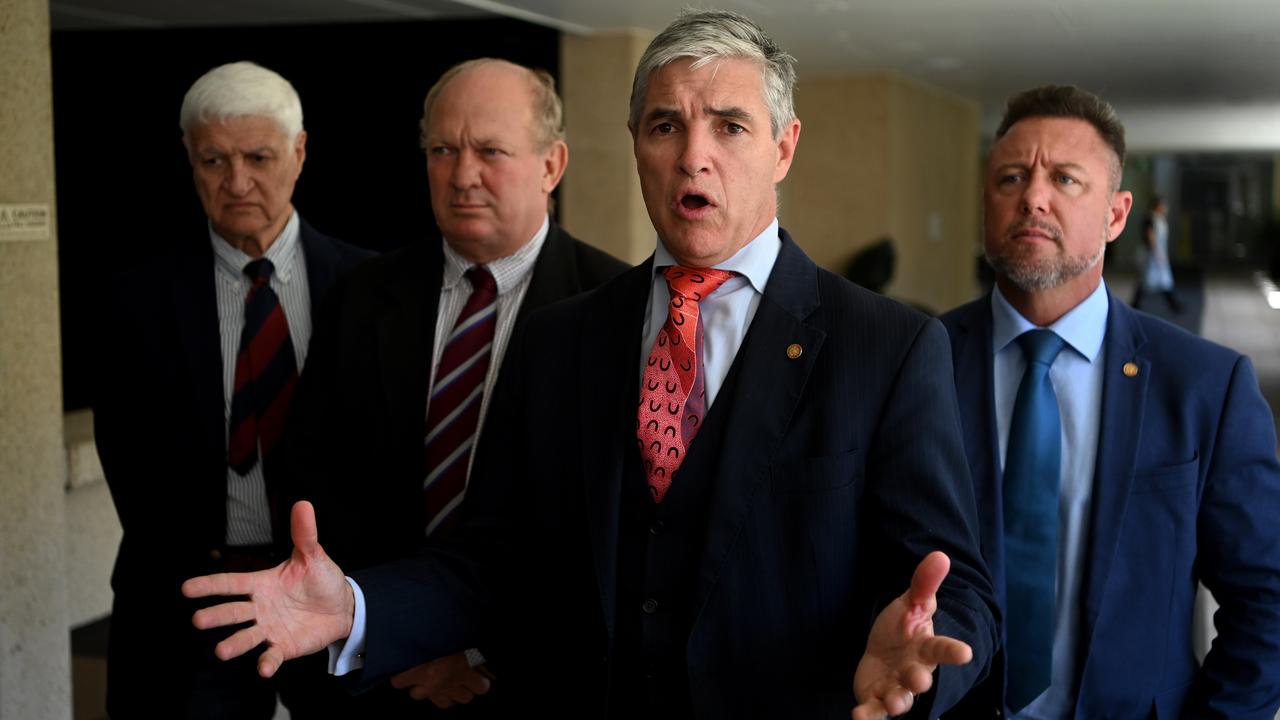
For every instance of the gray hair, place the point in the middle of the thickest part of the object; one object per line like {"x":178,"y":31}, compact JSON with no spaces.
{"x":710,"y":35}
{"x":241,"y":89}
{"x":548,"y":111}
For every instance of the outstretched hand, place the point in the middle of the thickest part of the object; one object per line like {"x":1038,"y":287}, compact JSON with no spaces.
{"x":446,"y":682}
{"x":298,"y":607}
{"x":902,"y":651}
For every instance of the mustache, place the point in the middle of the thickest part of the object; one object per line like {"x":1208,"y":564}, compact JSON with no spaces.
{"x":1053,"y":231}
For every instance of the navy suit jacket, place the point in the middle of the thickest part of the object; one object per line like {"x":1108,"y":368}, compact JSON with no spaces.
{"x":839,"y":470}
{"x":159,"y":419}
{"x":1186,"y":489}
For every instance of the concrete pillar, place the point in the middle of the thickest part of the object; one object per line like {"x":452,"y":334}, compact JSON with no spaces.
{"x":600,"y":200}
{"x":35,"y":675}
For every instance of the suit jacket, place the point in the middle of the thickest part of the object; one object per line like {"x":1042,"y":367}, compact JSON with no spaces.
{"x":354,"y":440}
{"x":159,"y":418}
{"x":1186,"y":489}
{"x":840,"y":469}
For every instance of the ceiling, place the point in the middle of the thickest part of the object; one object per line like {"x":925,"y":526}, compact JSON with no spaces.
{"x":1154,"y":59}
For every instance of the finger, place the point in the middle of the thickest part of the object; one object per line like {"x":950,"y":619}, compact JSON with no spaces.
{"x":484,"y":670}
{"x":409,"y":678}
{"x":898,"y":701}
{"x":420,"y":692}
{"x":942,"y":650}
{"x":475,"y":682}
{"x":441,"y":702}
{"x":928,"y":577}
{"x":303,"y":530}
{"x":239,"y":643}
{"x":269,"y":662}
{"x":870,"y":710}
{"x":230,"y":613}
{"x":460,"y":695}
{"x":917,"y":678}
{"x":220,"y":584}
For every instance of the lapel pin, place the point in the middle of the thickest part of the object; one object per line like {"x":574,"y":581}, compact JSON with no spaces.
{"x":794,"y":351}
{"x":1130,"y":369}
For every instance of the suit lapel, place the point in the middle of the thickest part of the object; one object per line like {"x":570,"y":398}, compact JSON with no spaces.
{"x":406,"y":328}
{"x":1123,"y":403}
{"x":973,"y":357}
{"x":321,"y":260}
{"x":555,"y":274}
{"x":767,"y":390}
{"x":610,"y":378}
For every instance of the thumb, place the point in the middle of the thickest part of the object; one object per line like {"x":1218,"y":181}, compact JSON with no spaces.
{"x":302,"y":528}
{"x":927,"y":578}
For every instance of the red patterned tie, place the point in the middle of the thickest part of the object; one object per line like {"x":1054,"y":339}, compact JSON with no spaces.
{"x":453,"y":412}
{"x":672,"y":401}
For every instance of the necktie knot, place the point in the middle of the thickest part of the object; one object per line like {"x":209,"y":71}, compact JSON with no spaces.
{"x":694,"y":284}
{"x":482,"y":280}
{"x":259,"y":271}
{"x":1041,"y":346}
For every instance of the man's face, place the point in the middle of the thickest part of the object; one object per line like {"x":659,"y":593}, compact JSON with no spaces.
{"x":707,"y":158}
{"x":489,"y":178}
{"x":245,"y":169}
{"x":1050,"y":206}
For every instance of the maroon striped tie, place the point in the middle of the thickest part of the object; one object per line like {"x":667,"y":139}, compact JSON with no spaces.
{"x":266,"y":372}
{"x":453,"y":411}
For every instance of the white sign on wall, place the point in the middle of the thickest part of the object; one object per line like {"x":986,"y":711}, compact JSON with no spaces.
{"x":24,"y":223}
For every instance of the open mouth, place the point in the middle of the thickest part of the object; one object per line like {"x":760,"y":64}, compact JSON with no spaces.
{"x":694,"y":201}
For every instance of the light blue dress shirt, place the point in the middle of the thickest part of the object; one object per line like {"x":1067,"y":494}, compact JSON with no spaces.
{"x":1077,"y":381}
{"x":726,"y":314}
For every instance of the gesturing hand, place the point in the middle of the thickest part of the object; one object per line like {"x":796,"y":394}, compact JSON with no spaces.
{"x":298,"y":607}
{"x":902,"y":651}
{"x":447,"y":681}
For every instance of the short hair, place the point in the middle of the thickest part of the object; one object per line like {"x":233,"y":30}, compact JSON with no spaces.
{"x":1069,"y":101}
{"x":241,"y":89}
{"x":710,"y":35}
{"x":548,"y":111}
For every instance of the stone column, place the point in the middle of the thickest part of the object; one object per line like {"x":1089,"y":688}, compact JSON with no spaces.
{"x":35,"y":675}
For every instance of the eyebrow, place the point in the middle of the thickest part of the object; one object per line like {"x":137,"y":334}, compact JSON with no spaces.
{"x":1056,"y":166}
{"x":733,"y":113}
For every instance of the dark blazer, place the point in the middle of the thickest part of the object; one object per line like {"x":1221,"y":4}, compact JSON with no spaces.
{"x":354,"y":440}
{"x":840,"y":469}
{"x":1186,"y":489}
{"x":160,"y":428}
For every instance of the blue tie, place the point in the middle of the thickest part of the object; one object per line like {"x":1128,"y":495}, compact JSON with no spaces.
{"x":1031,"y":475}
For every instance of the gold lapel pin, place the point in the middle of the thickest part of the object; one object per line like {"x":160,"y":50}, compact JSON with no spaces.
{"x":794,"y":351}
{"x":1130,"y":369}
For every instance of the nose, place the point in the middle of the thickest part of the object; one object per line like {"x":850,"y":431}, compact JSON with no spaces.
{"x":695,"y":155}
{"x":238,"y":179}
{"x":466,"y":170}
{"x":1036,"y":194}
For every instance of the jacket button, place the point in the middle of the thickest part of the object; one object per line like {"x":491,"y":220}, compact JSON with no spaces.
{"x":657,"y":527}
{"x":215,"y":554}
{"x":650,"y":606}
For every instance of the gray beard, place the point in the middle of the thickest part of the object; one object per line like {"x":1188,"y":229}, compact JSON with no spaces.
{"x":1040,"y":275}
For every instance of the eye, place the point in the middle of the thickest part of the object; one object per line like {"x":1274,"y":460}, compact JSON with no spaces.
{"x":734,"y":129}
{"x":492,"y":152}
{"x":257,"y":158}
{"x":440,"y":150}
{"x":211,"y":161}
{"x":664,"y":128}
{"x":1009,"y":179}
{"x":1066,"y":180}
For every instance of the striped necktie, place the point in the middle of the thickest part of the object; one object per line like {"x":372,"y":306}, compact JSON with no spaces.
{"x":266,"y":373}
{"x":453,"y":411}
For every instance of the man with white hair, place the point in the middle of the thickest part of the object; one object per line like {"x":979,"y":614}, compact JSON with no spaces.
{"x":715,"y":487}
{"x":202,"y":345}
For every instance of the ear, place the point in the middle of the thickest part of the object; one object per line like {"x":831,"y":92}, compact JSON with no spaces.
{"x":554,"y":161}
{"x":1118,"y":213}
{"x":300,"y":150}
{"x":788,"y":139}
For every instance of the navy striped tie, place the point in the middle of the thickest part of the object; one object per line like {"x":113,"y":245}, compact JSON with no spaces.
{"x":1031,"y":476}
{"x":266,"y":372}
{"x":453,"y":412}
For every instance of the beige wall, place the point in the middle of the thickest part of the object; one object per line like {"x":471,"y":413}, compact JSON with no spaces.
{"x":34,"y":645}
{"x":600,"y":199}
{"x":881,"y":155}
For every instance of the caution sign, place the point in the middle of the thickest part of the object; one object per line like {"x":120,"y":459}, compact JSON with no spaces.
{"x":24,"y":223}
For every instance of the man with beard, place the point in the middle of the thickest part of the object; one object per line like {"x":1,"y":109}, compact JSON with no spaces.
{"x":1117,"y":460}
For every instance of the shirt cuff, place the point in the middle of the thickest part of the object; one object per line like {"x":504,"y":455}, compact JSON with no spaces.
{"x":347,"y":656}
{"x":474,"y":657}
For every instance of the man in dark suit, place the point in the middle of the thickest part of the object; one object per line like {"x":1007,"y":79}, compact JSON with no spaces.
{"x":186,"y":416}
{"x":617,"y":575}
{"x":1152,"y":467}
{"x":494,"y":137}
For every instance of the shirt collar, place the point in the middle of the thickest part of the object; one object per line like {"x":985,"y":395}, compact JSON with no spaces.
{"x":754,"y":261}
{"x":507,"y":271}
{"x":1083,"y":327}
{"x":281,"y":252}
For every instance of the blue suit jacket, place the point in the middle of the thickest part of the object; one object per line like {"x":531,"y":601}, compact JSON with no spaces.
{"x":1186,"y":489}
{"x":838,"y":471}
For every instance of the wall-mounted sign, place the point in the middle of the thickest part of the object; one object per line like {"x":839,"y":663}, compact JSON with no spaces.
{"x":24,"y":223}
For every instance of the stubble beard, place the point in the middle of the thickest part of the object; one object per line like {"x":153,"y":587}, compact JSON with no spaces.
{"x":1032,"y":274}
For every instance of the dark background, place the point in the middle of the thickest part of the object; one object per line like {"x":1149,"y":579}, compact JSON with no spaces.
{"x":124,"y":186}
